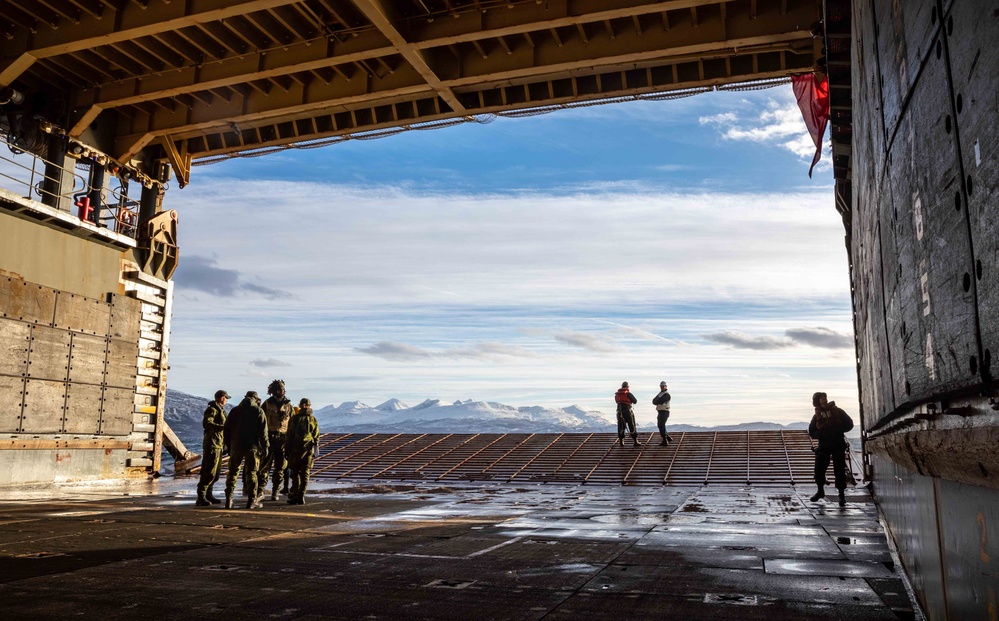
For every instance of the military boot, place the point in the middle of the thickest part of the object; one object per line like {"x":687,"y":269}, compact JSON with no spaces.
{"x":210,"y":497}
{"x":636,"y":441}
{"x":818,"y":495}
{"x":228,"y":500}
{"x":274,"y":495}
{"x":842,"y":498}
{"x":254,"y":503}
{"x":202,"y":501}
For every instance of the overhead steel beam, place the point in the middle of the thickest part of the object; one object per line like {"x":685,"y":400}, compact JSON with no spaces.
{"x":532,"y":17}
{"x":477,"y":73}
{"x":258,"y":66}
{"x":501,"y":69}
{"x":129,"y":22}
{"x":375,"y":123}
{"x":299,"y":99}
{"x":379,"y":14}
{"x":310,"y":55}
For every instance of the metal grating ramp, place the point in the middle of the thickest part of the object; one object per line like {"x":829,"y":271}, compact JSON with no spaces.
{"x":759,"y":458}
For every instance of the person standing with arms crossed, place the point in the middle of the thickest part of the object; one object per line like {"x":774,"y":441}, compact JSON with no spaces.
{"x":661,"y":401}
{"x":625,"y":413}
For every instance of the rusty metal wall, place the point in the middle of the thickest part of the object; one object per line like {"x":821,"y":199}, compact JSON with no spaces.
{"x":67,"y":358}
{"x":925,"y":266}
{"x":83,"y":342}
{"x":52,"y":258}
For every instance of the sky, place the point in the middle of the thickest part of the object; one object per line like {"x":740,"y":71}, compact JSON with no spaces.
{"x":529,"y":261}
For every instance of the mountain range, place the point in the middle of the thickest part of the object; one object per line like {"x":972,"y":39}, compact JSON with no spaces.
{"x":184,"y":414}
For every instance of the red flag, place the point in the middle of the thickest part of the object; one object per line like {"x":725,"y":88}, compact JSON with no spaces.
{"x":813,"y":101}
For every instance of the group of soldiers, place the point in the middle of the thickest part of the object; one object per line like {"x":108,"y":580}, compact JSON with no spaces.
{"x":260,"y":438}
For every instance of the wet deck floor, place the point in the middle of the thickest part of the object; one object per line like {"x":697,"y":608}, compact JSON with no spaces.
{"x":469,"y":553}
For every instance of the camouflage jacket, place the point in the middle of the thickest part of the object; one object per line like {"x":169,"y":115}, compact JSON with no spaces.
{"x":303,"y":432}
{"x":214,"y":425}
{"x":278,"y":414}
{"x":246,"y":428}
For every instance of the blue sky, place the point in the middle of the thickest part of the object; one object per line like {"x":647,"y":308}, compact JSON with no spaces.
{"x":532,"y":261}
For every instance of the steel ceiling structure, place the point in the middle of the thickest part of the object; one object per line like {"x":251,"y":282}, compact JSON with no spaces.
{"x":150,"y":80}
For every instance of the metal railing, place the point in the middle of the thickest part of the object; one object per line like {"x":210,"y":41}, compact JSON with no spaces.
{"x":32,"y":177}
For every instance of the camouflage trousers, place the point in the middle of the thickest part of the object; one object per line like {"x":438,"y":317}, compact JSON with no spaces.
{"x":211,"y":467}
{"x":252,"y":467}
{"x":276,"y":458}
{"x":301,"y":470}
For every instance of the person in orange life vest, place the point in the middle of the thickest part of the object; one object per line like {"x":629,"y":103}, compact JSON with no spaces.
{"x":625,"y":413}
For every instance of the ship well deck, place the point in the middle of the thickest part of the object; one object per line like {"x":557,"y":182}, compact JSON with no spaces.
{"x":461,"y":550}
{"x":759,"y":458}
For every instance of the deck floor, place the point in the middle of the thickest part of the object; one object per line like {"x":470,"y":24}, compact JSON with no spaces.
{"x":464,"y":551}
{"x":758,"y":458}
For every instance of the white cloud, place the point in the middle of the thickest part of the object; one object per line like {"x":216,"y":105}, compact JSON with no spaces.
{"x":355,"y":246}
{"x":672,"y":167}
{"x":717,"y":119}
{"x":778,"y":124}
{"x":740,"y":340}
{"x":391,"y":350}
{"x":590,"y":342}
{"x":821,"y":337}
{"x":268,"y":363}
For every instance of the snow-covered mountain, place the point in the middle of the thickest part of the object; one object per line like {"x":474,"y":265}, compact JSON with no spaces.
{"x":437,"y":416}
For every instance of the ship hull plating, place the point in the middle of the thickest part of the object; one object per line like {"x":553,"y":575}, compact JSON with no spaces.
{"x":924,"y":250}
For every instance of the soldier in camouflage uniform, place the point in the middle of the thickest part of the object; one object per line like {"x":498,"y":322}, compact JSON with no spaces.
{"x":246,"y":437}
{"x":301,"y":446}
{"x":211,"y":449}
{"x":279,"y":410}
